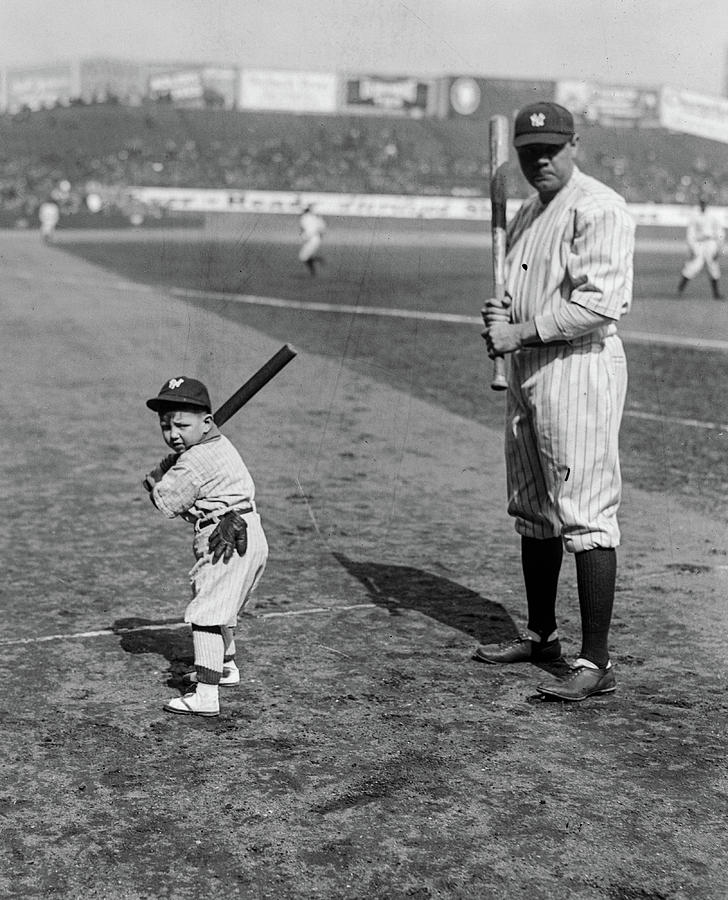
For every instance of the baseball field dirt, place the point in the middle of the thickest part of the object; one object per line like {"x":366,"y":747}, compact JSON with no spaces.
{"x":365,"y":754}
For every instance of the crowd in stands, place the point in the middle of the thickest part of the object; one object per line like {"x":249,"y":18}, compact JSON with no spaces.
{"x":161,"y":146}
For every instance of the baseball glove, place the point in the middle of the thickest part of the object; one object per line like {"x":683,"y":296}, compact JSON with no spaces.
{"x":230,"y":536}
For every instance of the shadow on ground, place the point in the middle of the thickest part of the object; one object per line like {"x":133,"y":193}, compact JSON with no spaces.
{"x":397,"y":588}
{"x":139,"y":635}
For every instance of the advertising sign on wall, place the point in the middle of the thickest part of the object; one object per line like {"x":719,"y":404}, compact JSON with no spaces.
{"x":220,"y":86}
{"x":178,"y":86}
{"x":39,"y":87}
{"x":467,"y":96}
{"x":610,"y":104}
{"x":102,"y":78}
{"x":389,"y":206}
{"x":195,"y":86}
{"x":298,"y":92}
{"x":381,"y":94}
{"x":698,"y":114}
{"x":212,"y":200}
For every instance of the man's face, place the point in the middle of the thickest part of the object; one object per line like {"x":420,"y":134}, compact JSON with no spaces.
{"x":547,"y":167}
{"x":182,"y":429}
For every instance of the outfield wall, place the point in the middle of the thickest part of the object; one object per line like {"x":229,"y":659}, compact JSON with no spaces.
{"x":368,"y":205}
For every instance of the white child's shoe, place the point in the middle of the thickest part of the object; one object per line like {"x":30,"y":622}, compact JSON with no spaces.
{"x":230,"y":676}
{"x":198,"y":703}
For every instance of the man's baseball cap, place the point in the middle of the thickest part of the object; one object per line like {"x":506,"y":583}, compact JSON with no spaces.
{"x":543,"y":123}
{"x":181,"y":391}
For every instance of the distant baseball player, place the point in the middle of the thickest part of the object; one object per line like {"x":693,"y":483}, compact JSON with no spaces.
{"x":49,"y":214}
{"x":568,"y":280}
{"x":705,"y":235}
{"x":312,"y":227}
{"x":205,"y":481}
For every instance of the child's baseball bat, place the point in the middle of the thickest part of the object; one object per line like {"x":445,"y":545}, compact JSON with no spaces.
{"x":251,"y":387}
{"x":498,"y":199}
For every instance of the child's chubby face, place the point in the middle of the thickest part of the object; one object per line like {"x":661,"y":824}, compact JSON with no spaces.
{"x":183,"y":428}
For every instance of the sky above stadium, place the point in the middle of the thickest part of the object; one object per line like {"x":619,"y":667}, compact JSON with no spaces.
{"x":643,"y":42}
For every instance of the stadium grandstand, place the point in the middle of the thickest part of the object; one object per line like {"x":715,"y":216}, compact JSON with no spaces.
{"x":219,"y":128}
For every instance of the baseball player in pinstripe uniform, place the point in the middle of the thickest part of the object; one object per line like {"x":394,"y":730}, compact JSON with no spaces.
{"x":568,"y":281}
{"x":705,"y":235}
{"x":205,"y":481}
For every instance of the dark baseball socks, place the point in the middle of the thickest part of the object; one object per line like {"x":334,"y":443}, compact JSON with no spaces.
{"x":541,"y":562}
{"x":209,"y":650}
{"x":214,"y":651}
{"x":596,"y":576}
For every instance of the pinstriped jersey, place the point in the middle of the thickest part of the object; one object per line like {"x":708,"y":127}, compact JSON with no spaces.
{"x":578,"y":248}
{"x":208,"y":477}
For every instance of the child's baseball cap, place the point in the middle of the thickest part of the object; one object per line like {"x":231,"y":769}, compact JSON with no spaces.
{"x":181,"y":391}
{"x":543,"y":123}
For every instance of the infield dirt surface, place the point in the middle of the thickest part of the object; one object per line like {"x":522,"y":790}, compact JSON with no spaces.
{"x":364,"y":755}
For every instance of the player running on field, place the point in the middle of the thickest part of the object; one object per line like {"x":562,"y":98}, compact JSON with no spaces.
{"x":705,"y":235}
{"x":48,"y":214}
{"x":568,"y":280}
{"x":312,"y":227}
{"x":205,"y":482}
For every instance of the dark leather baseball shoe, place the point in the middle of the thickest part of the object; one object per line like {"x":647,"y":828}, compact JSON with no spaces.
{"x":580,"y":683}
{"x":520,"y":649}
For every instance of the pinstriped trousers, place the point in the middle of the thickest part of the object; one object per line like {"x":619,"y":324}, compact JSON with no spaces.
{"x":564,"y":410}
{"x":221,"y":591}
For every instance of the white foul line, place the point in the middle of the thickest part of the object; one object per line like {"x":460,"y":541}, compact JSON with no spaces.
{"x":674,"y":340}
{"x":424,"y":316}
{"x":253,"y":300}
{"x":114,"y":632}
{"x":456,"y":318}
{"x":636,"y":337}
{"x":674,"y":420}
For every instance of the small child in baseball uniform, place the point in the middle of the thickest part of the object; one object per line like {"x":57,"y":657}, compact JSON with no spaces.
{"x":205,"y":482}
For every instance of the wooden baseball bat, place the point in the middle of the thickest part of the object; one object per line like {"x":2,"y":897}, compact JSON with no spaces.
{"x":251,"y":387}
{"x":498,"y":198}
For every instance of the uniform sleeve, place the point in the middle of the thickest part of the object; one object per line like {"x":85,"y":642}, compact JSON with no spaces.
{"x":570,"y":321}
{"x":178,"y":489}
{"x":600,"y":264}
{"x":164,"y":466}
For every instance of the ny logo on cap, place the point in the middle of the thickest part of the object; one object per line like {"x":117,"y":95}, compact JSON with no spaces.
{"x":538,"y":120}
{"x":174,"y":383}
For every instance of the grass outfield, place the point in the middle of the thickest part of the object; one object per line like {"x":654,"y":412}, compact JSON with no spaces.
{"x":442,"y":362}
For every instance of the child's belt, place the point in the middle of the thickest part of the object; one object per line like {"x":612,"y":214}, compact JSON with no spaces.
{"x":214,"y":518}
